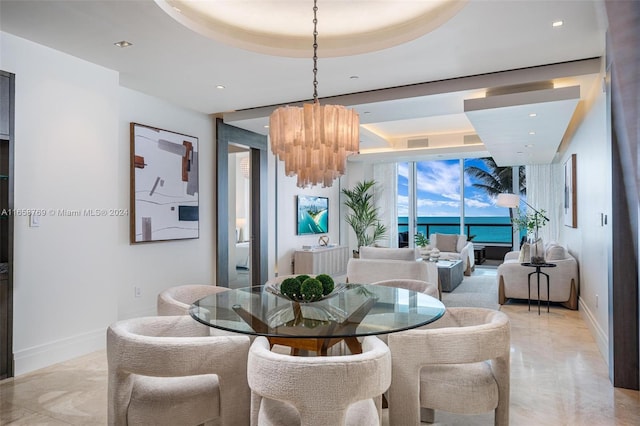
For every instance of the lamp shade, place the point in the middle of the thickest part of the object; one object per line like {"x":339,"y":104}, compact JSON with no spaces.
{"x":508,"y":200}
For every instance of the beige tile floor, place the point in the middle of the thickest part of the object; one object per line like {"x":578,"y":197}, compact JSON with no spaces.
{"x":558,"y":377}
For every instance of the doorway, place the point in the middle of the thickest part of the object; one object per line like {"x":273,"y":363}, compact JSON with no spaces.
{"x":241,"y":218}
{"x":7,"y":92}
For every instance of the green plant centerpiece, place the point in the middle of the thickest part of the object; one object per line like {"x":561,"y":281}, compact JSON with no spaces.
{"x":304,"y":288}
{"x":363,"y":216}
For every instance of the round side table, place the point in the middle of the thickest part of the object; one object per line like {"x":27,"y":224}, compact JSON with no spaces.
{"x":538,"y":272}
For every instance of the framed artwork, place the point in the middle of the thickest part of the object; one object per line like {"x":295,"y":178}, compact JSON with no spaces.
{"x":570,"y":202}
{"x":164,"y":185}
{"x":312,"y":215}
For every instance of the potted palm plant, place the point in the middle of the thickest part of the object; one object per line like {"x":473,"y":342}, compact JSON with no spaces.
{"x":363,"y":216}
{"x":422,"y":242}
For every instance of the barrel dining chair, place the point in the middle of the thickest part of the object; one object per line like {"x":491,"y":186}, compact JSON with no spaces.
{"x":164,"y":371}
{"x":318,"y":391}
{"x":419,"y":286}
{"x":177,"y":300}
{"x":458,"y":364}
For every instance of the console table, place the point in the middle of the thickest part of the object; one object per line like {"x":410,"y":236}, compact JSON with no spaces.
{"x":321,"y":260}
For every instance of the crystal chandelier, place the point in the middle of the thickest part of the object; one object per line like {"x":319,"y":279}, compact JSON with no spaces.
{"x":314,"y":140}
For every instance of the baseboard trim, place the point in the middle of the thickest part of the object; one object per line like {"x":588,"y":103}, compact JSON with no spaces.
{"x":599,"y":335}
{"x":41,"y":356}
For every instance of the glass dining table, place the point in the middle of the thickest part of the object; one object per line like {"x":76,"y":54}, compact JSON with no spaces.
{"x":349,"y":312}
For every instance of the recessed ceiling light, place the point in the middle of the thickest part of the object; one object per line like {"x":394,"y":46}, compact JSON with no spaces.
{"x":367,"y":112}
{"x":533,"y":114}
{"x":529,"y":145}
{"x":354,"y":77}
{"x":532,"y":133}
{"x":266,"y":126}
{"x":519,"y":152}
{"x":219,"y":86}
{"x":123,"y":43}
{"x":557,"y":24}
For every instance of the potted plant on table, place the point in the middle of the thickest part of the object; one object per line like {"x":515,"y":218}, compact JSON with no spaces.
{"x":363,"y":216}
{"x":531,"y":223}
{"x":422,"y":242}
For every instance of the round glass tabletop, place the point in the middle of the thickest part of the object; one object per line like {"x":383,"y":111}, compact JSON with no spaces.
{"x":351,"y":310}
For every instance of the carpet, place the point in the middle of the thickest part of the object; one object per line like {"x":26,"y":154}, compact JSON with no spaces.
{"x":480,"y":290}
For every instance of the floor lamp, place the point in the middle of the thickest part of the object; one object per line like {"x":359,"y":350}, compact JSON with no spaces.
{"x":513,"y":201}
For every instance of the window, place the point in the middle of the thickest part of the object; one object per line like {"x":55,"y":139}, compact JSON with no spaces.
{"x":430,"y":194}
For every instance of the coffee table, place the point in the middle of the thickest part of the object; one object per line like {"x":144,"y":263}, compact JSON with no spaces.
{"x":450,"y":273}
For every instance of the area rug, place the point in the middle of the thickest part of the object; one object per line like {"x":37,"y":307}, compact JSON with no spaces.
{"x":478,"y":290}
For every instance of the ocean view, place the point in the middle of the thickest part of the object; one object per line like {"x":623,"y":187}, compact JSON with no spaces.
{"x":485,"y":229}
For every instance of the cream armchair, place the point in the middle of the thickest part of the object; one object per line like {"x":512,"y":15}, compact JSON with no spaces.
{"x":454,"y":247}
{"x":563,"y":279}
{"x":321,"y":390}
{"x":177,"y":300}
{"x":165,"y":371}
{"x":458,"y":364}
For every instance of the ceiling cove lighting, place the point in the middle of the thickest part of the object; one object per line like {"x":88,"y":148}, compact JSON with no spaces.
{"x":314,"y":140}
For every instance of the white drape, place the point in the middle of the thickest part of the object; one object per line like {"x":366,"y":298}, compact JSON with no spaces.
{"x":386,"y":195}
{"x":544,"y":192}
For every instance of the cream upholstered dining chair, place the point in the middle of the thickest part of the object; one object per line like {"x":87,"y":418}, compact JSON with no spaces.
{"x":318,"y":391}
{"x":177,"y":300}
{"x":164,"y":371}
{"x":415,"y":285}
{"x":458,"y":364}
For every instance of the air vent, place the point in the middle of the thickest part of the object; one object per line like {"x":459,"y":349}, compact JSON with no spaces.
{"x":418,"y":143}
{"x":471,"y":139}
{"x":519,"y":88}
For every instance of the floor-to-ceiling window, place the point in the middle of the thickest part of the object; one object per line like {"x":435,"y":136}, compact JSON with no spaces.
{"x":451,"y":197}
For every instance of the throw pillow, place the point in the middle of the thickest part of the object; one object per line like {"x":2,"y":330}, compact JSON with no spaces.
{"x":462,"y":241}
{"x":525,"y":253}
{"x":556,"y":252}
{"x":447,"y":242}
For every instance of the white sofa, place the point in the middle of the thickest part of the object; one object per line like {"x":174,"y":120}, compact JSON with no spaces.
{"x":454,"y":247}
{"x":563,"y":279}
{"x":379,"y":264}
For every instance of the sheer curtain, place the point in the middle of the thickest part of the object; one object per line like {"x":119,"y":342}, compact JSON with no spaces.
{"x":544,"y":192}
{"x":386,"y":194}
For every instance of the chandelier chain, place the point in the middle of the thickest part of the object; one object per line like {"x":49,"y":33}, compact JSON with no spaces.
{"x":315,"y":51}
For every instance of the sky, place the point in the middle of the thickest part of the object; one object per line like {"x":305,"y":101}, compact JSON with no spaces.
{"x":438,"y":187}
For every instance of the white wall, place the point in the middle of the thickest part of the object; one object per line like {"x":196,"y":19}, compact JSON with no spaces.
{"x":285,"y":212}
{"x":159,"y":265}
{"x":74,"y":275}
{"x":590,"y":241}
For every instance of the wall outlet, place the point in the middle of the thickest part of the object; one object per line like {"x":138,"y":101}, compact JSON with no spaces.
{"x":34,"y":221}
{"x":137,"y":292}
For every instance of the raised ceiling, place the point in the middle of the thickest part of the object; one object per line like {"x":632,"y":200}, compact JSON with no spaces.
{"x":483,"y":39}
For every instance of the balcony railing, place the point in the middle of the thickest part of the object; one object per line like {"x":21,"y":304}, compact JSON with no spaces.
{"x":484,"y":233}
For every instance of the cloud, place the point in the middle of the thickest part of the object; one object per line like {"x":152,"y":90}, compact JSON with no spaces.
{"x":403,"y":170}
{"x":439,"y":177}
{"x":470,"y":202}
